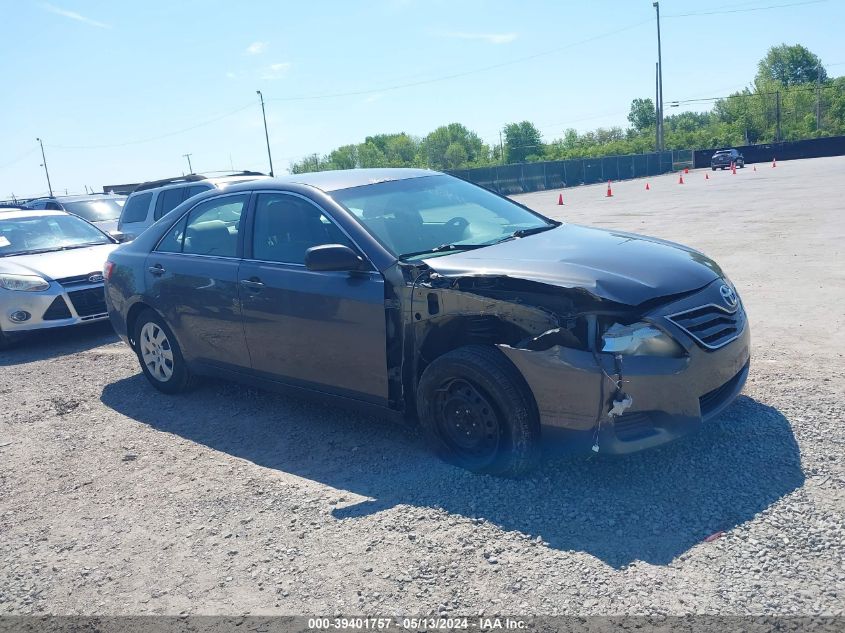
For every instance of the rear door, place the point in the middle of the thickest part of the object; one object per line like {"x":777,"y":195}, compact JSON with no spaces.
{"x":318,"y":329}
{"x":192,"y":280}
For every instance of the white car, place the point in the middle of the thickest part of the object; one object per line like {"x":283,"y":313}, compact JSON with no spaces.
{"x":51,"y":271}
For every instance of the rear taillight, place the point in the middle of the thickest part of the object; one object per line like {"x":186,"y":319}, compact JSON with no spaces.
{"x":108,"y":267}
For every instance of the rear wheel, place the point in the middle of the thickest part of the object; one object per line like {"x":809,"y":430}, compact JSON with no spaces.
{"x":478,"y":413}
{"x":5,"y":343}
{"x":159,"y":354}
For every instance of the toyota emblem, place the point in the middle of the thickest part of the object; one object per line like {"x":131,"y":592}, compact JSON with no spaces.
{"x":728,"y":296}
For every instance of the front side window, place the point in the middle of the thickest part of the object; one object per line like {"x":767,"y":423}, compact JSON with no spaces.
{"x":419,"y":216}
{"x":211,"y":228}
{"x":286,"y":226}
{"x":136,"y":208}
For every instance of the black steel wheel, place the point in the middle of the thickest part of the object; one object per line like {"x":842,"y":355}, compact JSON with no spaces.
{"x":478,"y":412}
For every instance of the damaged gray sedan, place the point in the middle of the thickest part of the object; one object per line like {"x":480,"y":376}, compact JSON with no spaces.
{"x":423,"y":294}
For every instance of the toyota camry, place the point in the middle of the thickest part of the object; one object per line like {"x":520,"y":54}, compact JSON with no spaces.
{"x":423,"y":294}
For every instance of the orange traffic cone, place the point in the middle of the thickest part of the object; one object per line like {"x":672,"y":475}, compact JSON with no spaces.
{"x":733,"y":168}
{"x":706,"y":176}
{"x":609,"y":191}
{"x":681,"y":179}
{"x":774,"y":163}
{"x":560,"y":199}
{"x":647,"y":188}
{"x":755,"y":167}
{"x":686,"y":170}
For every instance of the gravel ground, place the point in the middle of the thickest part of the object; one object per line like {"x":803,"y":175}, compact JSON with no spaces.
{"x":115,"y":499}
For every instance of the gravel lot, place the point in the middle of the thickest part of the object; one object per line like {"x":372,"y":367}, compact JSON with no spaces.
{"x":115,"y":499}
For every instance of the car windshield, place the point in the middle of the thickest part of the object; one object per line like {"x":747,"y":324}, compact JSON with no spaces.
{"x":96,"y":210}
{"x":416,"y":217}
{"x":40,"y":234}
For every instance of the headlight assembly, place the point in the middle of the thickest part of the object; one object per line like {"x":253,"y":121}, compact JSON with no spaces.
{"x":26,"y":283}
{"x":639,"y":339}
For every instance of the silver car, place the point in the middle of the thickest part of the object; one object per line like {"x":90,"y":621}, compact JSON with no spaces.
{"x":51,"y":271}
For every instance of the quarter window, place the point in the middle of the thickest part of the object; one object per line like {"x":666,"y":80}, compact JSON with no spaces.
{"x":286,"y":226}
{"x":136,"y":208}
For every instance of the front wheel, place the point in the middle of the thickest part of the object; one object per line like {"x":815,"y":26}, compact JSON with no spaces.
{"x":478,"y":413}
{"x":159,"y":354}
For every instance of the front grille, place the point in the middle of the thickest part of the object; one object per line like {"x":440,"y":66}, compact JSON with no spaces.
{"x":710,"y":325}
{"x":633,"y":426}
{"x":88,"y":302}
{"x":57,"y":310}
{"x":79,"y":280}
{"x":713,"y":400}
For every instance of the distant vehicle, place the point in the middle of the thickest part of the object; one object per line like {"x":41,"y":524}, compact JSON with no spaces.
{"x":431,"y":296}
{"x":51,"y":271}
{"x":101,"y":209}
{"x":724,"y":157}
{"x":151,"y":200}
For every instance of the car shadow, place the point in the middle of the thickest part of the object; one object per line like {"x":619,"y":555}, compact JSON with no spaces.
{"x":55,"y":342}
{"x":651,"y":506}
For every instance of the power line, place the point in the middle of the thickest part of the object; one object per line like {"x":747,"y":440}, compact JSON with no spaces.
{"x":159,"y":137}
{"x":519,"y":60}
{"x":766,"y":8}
{"x":18,"y":159}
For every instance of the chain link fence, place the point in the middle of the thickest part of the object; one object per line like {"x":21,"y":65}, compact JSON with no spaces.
{"x":556,"y":174}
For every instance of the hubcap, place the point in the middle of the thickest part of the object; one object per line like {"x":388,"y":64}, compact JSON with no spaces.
{"x":467,"y":420}
{"x":156,"y":352}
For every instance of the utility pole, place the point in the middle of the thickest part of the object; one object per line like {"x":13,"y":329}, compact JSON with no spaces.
{"x":266,"y":134}
{"x":190,"y":169}
{"x":818,"y":97}
{"x":661,"y":141}
{"x":656,"y":106}
{"x":777,"y":114}
{"x":44,"y":165}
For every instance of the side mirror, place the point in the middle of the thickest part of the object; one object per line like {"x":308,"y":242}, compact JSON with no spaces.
{"x":332,"y":257}
{"x":120,"y":236}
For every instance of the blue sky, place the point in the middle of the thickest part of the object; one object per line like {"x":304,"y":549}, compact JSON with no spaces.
{"x":94,"y":77}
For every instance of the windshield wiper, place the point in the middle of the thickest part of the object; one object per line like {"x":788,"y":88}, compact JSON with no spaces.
{"x":533,"y":230}
{"x":444,"y":247}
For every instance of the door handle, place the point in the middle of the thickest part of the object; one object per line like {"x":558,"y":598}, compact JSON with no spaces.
{"x":156,"y":270}
{"x":252,"y":284}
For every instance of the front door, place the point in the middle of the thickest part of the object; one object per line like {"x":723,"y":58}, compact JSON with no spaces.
{"x":192,"y":280}
{"x":317,"y":329}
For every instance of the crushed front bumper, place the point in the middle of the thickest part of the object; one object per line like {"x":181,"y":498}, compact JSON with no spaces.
{"x":672,"y":397}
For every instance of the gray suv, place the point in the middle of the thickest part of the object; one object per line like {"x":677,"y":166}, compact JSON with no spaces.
{"x":151,"y":200}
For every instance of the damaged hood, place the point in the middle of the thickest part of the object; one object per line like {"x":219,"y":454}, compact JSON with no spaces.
{"x":620,"y":267}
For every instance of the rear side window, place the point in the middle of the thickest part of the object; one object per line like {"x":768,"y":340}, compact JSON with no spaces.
{"x":136,"y":208}
{"x":211,"y":228}
{"x":194,"y":190}
{"x":168,"y":200}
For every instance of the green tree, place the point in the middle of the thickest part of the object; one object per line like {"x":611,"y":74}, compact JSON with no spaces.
{"x":642,"y":115}
{"x":790,"y":66}
{"x":434,"y":146}
{"x":521,"y":140}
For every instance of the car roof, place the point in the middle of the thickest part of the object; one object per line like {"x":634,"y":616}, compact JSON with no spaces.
{"x":82,"y":197}
{"x":347,"y":178}
{"x":31,"y":213}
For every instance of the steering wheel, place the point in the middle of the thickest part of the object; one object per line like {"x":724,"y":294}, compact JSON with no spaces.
{"x":459,"y":223}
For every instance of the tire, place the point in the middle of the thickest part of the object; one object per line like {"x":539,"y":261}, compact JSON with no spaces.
{"x":159,"y":354}
{"x":478,"y":413}
{"x":713,"y":168}
{"x":742,"y":164}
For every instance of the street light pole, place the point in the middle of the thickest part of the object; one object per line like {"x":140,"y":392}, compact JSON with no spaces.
{"x":266,"y":134}
{"x":44,"y":165}
{"x":190,"y":168}
{"x":662,"y":143}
